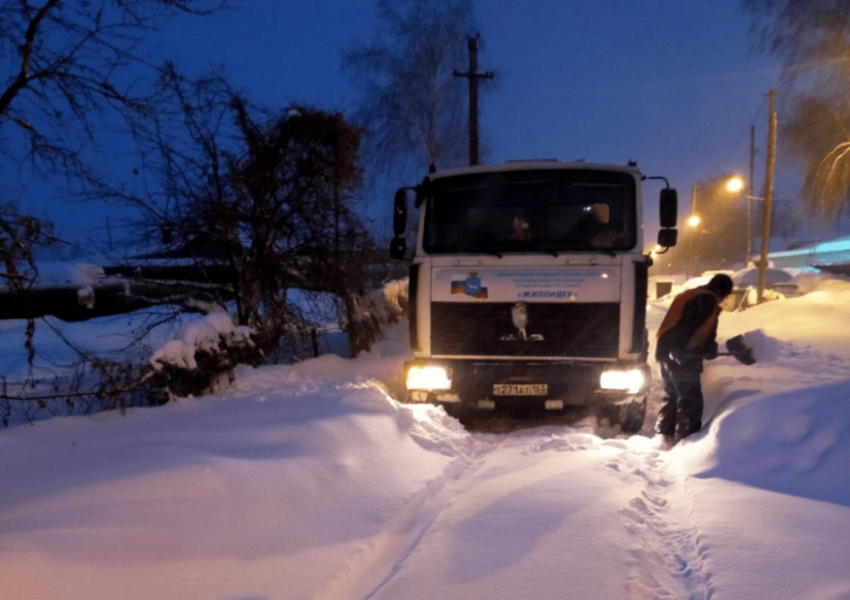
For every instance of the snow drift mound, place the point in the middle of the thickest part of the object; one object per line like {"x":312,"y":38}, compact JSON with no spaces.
{"x":794,"y":443}
{"x":765,"y":348}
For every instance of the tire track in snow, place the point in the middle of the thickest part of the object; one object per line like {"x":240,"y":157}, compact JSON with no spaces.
{"x":669,"y":559}
{"x":382,"y":556}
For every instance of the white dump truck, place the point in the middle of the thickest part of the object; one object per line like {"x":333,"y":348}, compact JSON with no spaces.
{"x":528,"y":287}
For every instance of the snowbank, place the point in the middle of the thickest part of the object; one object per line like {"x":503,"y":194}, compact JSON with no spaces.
{"x":208,"y":334}
{"x":309,"y":481}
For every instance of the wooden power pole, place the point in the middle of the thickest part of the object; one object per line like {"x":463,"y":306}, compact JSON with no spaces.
{"x":768,"y":194}
{"x":750,"y":196}
{"x":473,"y":75}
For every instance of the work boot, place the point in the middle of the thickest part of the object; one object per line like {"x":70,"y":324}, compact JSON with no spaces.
{"x":666,"y":423}
{"x":686,"y":427}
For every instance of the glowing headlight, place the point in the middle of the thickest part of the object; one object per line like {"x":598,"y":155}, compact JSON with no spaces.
{"x":627,"y":381}
{"x":430,"y":377}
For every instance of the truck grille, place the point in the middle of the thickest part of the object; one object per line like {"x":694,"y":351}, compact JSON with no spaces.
{"x":589,"y":330}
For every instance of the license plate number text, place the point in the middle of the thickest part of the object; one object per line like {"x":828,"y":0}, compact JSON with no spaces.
{"x":520,"y":389}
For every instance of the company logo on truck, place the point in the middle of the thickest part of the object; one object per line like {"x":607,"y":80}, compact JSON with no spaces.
{"x":548,"y":294}
{"x":471,"y":286}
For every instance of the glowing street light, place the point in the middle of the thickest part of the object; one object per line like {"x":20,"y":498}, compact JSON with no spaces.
{"x":735,"y":184}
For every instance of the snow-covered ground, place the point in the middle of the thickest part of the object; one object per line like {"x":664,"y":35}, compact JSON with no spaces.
{"x":309,"y":481}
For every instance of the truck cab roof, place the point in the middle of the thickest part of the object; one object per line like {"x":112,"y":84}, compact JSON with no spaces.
{"x":535,"y":165}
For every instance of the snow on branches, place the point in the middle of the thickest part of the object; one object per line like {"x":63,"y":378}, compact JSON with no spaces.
{"x":202,"y":356}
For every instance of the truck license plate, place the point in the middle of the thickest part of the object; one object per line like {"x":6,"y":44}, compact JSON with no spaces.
{"x":520,"y":389}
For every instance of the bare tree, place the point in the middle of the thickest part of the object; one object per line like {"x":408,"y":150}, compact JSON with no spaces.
{"x":68,"y":74}
{"x":412,"y":105}
{"x":813,"y":39}
{"x":18,"y":234}
{"x":292,"y":198}
{"x":272,"y":195}
{"x":66,"y":71}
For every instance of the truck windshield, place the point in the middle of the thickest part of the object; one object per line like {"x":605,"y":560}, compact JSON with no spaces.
{"x":531,"y":211}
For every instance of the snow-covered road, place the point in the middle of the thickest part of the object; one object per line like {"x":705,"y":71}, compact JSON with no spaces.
{"x":547,"y":509}
{"x":311,"y":482}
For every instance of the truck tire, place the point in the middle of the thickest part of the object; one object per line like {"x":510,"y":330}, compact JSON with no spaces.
{"x":632,"y":416}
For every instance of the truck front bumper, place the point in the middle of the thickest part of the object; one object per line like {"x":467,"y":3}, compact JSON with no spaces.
{"x":551,"y":383}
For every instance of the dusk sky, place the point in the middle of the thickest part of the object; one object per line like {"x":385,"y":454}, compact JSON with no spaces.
{"x":672,"y":84}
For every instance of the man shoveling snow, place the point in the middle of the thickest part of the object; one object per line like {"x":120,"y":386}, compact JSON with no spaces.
{"x":688,"y":335}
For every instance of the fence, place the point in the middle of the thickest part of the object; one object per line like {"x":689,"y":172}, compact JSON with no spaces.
{"x":95,"y":386}
{"x":27,"y":401}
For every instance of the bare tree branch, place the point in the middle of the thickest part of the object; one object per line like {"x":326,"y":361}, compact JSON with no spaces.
{"x":412,"y":106}
{"x":812,"y":37}
{"x":66,"y":71}
{"x":270,"y":195}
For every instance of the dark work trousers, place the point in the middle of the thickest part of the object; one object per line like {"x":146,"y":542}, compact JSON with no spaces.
{"x":681,"y":413}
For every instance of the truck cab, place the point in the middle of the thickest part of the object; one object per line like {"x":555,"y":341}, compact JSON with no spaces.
{"x":528,"y":286}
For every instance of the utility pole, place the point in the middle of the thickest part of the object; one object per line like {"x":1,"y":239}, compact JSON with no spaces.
{"x":473,"y":75}
{"x":750,"y":196}
{"x":692,"y":234}
{"x":768,"y":194}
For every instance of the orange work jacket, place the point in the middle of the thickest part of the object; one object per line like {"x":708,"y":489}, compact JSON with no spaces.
{"x":674,"y":314}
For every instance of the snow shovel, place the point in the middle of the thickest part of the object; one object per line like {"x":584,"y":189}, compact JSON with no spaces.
{"x":739,"y":350}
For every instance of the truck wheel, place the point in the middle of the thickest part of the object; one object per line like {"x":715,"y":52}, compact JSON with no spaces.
{"x":466,"y":415}
{"x":458,"y":410}
{"x":632,"y":416}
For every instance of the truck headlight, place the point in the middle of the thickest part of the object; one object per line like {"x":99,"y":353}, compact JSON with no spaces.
{"x":630,"y":381}
{"x":429,"y":377}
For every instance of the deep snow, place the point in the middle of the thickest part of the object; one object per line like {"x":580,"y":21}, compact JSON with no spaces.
{"x":309,"y":481}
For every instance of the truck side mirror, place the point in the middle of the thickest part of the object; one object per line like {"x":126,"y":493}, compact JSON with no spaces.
{"x":398,"y":248}
{"x":400,"y":212}
{"x":668,"y":207}
{"x":667,"y":238}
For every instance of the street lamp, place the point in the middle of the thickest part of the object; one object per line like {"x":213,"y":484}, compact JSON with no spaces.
{"x":735,"y":184}
{"x":732,"y":185}
{"x":694,"y":221}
